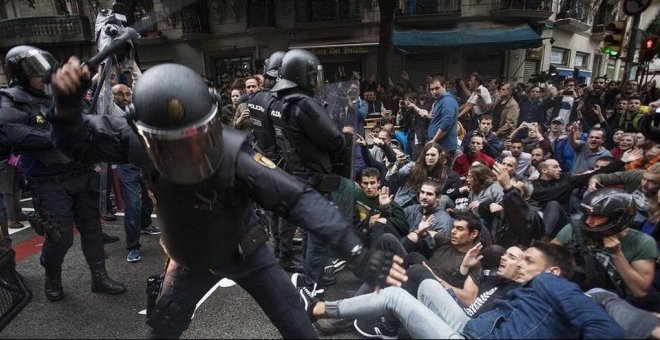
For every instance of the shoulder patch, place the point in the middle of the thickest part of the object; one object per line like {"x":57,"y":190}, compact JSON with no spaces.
{"x":261,"y":159}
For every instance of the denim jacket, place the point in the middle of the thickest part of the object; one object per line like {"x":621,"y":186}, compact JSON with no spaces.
{"x":547,"y":307}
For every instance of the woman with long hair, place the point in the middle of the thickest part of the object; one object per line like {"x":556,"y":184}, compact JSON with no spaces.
{"x":408,"y":177}
{"x":483,"y":188}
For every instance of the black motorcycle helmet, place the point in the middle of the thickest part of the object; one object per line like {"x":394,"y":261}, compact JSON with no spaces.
{"x":616,"y":204}
{"x":300,"y":68}
{"x":273,"y":64}
{"x":23,"y":62}
{"x":176,"y":117}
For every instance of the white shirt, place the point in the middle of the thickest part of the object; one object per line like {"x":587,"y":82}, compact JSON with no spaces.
{"x":474,"y":98}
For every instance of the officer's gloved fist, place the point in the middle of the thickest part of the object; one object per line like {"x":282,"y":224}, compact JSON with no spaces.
{"x":384,"y":269}
{"x":69,"y":83}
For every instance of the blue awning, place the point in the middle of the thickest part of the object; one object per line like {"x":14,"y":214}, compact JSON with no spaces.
{"x":466,"y":35}
{"x":568,"y":72}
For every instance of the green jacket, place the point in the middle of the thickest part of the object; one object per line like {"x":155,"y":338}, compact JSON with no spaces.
{"x":632,"y":179}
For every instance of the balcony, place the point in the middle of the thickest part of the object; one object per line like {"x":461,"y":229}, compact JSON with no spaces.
{"x":45,"y":30}
{"x":532,"y":10}
{"x":574,"y":16}
{"x":314,"y":11}
{"x":424,"y":12}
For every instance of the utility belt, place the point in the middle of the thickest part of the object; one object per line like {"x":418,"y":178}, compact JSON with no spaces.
{"x":324,"y":183}
{"x":59,"y":178}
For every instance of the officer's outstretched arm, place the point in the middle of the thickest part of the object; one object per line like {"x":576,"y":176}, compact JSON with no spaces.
{"x":85,"y":138}
{"x":318,"y":127}
{"x":24,"y":137}
{"x":275,"y":190}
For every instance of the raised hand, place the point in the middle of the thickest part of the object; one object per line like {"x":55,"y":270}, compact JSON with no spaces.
{"x":384,"y":197}
{"x":472,"y":257}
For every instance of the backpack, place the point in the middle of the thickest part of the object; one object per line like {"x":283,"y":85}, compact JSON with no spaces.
{"x":589,"y":272}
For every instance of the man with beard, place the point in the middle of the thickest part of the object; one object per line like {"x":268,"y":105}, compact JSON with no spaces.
{"x":642,"y":184}
{"x":593,"y":109}
{"x":586,"y":153}
{"x":430,"y":209}
{"x":474,"y":154}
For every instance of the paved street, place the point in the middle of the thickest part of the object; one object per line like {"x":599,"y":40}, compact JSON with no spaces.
{"x":228,"y":313}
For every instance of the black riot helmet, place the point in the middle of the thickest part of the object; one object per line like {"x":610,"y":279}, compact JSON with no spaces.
{"x":23,"y":62}
{"x":176,"y":117}
{"x":300,"y":68}
{"x":615,"y":204}
{"x":273,"y":64}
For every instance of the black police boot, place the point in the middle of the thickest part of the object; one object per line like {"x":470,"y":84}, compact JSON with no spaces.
{"x":53,"y":284}
{"x":102,"y":283}
{"x":290,"y":264}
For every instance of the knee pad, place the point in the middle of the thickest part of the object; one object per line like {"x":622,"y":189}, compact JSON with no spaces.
{"x":169,"y":316}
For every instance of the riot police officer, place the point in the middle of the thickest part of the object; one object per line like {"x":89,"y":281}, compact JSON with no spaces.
{"x":205,"y":179}
{"x":260,"y":105}
{"x":64,"y":191}
{"x":309,"y":141}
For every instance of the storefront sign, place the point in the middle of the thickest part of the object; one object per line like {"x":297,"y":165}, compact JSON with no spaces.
{"x":349,"y":50}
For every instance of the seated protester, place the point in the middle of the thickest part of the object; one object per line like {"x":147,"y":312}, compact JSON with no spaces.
{"x":375,"y":212}
{"x":483,"y":186}
{"x":408,"y":177}
{"x":431,"y":203}
{"x":547,"y":305}
{"x":646,"y":156}
{"x":626,"y":142}
{"x":463,"y":162}
{"x":492,"y":146}
{"x":500,"y":267}
{"x":625,"y":257}
{"x":446,"y":259}
{"x":518,"y":220}
{"x":365,"y":159}
{"x":642,"y":184}
{"x":586,"y":153}
{"x":538,"y":156}
{"x":553,"y":188}
{"x":382,"y":150}
{"x":524,"y":158}
{"x":531,"y":136}
{"x":563,"y":151}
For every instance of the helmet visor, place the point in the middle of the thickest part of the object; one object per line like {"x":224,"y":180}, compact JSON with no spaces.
{"x":188,"y":155}
{"x":36,"y":63}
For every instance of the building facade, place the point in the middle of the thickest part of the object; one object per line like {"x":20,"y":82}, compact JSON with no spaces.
{"x":228,"y":39}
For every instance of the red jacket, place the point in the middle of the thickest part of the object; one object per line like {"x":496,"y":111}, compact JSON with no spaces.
{"x":463,"y":162}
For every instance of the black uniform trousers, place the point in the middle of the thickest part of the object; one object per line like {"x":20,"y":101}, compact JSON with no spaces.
{"x":263,"y":279}
{"x":66,"y":199}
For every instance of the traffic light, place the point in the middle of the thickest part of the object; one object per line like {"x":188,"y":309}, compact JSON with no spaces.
{"x":613,"y":41}
{"x":649,"y":49}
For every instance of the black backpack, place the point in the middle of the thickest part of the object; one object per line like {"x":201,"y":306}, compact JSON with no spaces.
{"x":589,"y":272}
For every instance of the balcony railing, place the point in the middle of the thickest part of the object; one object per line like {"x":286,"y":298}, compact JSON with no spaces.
{"x":430,"y":7}
{"x":308,"y":11}
{"x":526,"y":5}
{"x":574,"y":9}
{"x":45,"y":30}
{"x":534,"y":10}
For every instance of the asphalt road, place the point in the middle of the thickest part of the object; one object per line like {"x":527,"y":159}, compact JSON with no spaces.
{"x":228,"y":313}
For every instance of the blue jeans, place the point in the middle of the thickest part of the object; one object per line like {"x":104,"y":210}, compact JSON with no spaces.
{"x":138,"y":204}
{"x":436,"y":315}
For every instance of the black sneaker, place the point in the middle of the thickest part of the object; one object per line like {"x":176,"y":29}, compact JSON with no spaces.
{"x":109,"y":239}
{"x":335,"y":266}
{"x":309,"y":298}
{"x":109,"y":217}
{"x":376,"y":329}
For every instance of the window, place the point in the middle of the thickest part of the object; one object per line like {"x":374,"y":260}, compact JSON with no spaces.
{"x":581,"y":60}
{"x":559,"y":56}
{"x":260,"y":13}
{"x":308,"y":11}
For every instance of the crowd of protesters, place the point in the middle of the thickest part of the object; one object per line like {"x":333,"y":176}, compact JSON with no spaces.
{"x":470,"y":181}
